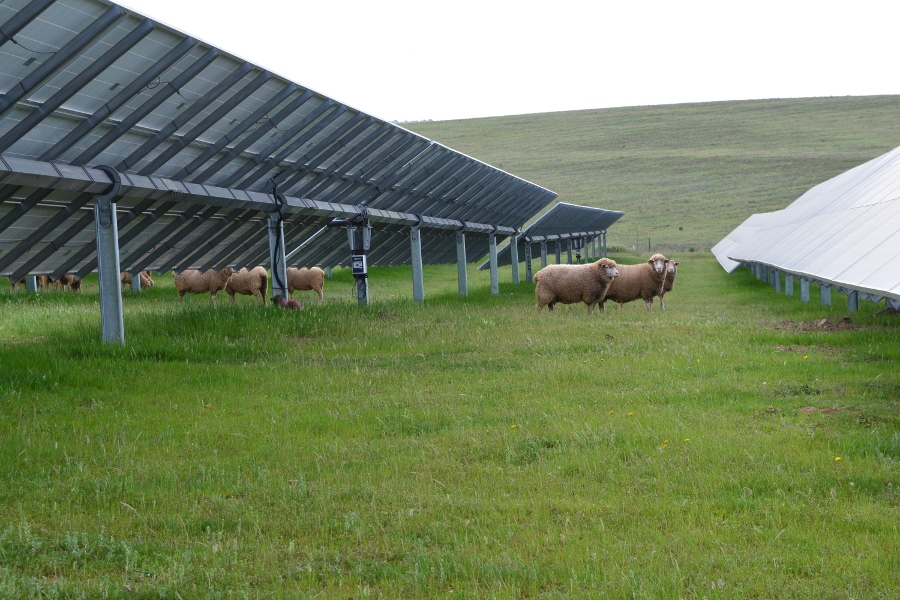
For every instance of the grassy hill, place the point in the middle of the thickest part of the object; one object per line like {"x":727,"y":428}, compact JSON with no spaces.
{"x":704,"y":167}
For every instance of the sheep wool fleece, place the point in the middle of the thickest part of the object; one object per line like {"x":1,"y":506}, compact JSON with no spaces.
{"x":570,"y":284}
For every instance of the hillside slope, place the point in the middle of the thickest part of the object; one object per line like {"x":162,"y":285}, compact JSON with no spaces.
{"x":704,"y":167}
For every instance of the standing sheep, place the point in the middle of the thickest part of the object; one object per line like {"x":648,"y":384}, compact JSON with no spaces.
{"x":15,"y":284}
{"x":574,"y":283}
{"x":250,"y":283}
{"x":44,"y":282}
{"x":643,"y":280}
{"x":671,"y":272}
{"x":146,"y":279}
{"x":306,"y":279}
{"x":68,"y":281}
{"x":195,"y":282}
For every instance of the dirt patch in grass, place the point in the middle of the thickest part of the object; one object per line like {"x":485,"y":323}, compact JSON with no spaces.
{"x":807,"y":349}
{"x":811,"y":410}
{"x":824,"y":324}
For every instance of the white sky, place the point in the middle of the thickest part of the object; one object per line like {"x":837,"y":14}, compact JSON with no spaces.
{"x":413,"y":60}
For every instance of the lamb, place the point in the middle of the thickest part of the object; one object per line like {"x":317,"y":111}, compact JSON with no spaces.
{"x":250,"y":283}
{"x":306,"y":279}
{"x":146,"y":279}
{"x":195,"y":282}
{"x":643,"y":280}
{"x":671,"y":272}
{"x":575,"y":283}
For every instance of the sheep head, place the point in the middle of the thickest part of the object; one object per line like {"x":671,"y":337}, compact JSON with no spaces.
{"x":658,"y":262}
{"x":607,"y":268}
{"x":670,"y":267}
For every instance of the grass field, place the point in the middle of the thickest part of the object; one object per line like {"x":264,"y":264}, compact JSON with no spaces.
{"x":703,"y":167}
{"x":464,"y":448}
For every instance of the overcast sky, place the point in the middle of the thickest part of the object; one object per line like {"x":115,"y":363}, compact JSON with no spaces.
{"x":410,"y":60}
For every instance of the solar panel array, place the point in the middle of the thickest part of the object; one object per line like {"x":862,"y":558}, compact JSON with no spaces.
{"x":562,"y":222}
{"x":843,"y":232}
{"x":202,"y":139}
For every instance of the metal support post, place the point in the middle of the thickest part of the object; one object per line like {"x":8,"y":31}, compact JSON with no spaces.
{"x":276,"y":256}
{"x":569,"y":251}
{"x":529,"y":277}
{"x":461,"y":263}
{"x":772,"y":275}
{"x":804,"y":290}
{"x":495,"y":279}
{"x":112,"y":321}
{"x":514,"y":257}
{"x":558,"y":252}
{"x":415,"y":242}
{"x":788,"y":285}
{"x":328,"y":272}
{"x":777,"y":280}
{"x":853,"y":301}
{"x":825,"y":294}
{"x":136,"y":282}
{"x":31,"y":283}
{"x":543,"y":254}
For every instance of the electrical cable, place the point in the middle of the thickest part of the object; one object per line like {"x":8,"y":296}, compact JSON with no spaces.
{"x":24,"y":47}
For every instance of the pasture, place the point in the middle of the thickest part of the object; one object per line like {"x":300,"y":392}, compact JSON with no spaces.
{"x":730,"y":447}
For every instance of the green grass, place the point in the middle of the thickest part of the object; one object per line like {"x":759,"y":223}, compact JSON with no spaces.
{"x":464,"y":448}
{"x":704,"y":167}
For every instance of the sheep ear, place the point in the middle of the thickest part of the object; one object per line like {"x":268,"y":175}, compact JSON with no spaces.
{"x":676,"y":264}
{"x":649,"y":262}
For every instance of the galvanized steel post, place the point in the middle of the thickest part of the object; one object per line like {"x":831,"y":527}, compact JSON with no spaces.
{"x":853,"y":301}
{"x":529,"y":277}
{"x":136,"y":282}
{"x":514,"y":257}
{"x":495,"y":278}
{"x":570,"y":251}
{"x":276,"y":256}
{"x":31,"y":283}
{"x":804,"y":289}
{"x":558,"y":252}
{"x":777,"y":281}
{"x":788,"y":285}
{"x":543,"y":254}
{"x":415,"y":243}
{"x":106,"y":227}
{"x":461,"y":263}
{"x":825,"y":294}
{"x":328,"y":272}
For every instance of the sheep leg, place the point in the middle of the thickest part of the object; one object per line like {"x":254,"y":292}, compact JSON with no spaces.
{"x":321,"y":295}
{"x":649,"y":305}
{"x":213,"y":296}
{"x":232,"y":299}
{"x":662,"y":304}
{"x":181,"y":296}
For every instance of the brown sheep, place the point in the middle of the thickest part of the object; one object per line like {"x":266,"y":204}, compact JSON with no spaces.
{"x":306,"y":279}
{"x":570,"y":284}
{"x":250,"y":283}
{"x":671,"y":272}
{"x":15,"y":284}
{"x":195,"y":282}
{"x":643,"y":280}
{"x":146,"y":279}
{"x":68,"y":281}
{"x":44,"y":282}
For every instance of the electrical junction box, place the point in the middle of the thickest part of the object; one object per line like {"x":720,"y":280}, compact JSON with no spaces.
{"x":358,"y":264}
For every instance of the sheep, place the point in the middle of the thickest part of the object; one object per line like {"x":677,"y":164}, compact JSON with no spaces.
{"x":146,"y":279}
{"x":306,"y":279}
{"x":195,"y":282}
{"x":44,"y":282}
{"x":15,"y":284}
{"x":671,"y":272}
{"x":574,"y":283}
{"x":250,"y":283}
{"x":643,"y":280}
{"x":68,"y":281}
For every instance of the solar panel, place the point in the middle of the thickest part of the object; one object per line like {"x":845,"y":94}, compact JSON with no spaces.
{"x":842,"y":232}
{"x":202,"y":139}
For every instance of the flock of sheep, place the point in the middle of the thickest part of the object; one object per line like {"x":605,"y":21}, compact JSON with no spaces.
{"x":250,"y":283}
{"x":595,"y":283}
{"x":592,"y":283}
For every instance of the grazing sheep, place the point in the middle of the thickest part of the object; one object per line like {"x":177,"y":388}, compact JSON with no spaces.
{"x":15,"y":284}
{"x":44,"y":282}
{"x":146,"y":279}
{"x":306,"y":279}
{"x":195,"y":282}
{"x":574,"y":283}
{"x":68,"y":281}
{"x":671,"y":272}
{"x":250,"y":283}
{"x":643,"y":280}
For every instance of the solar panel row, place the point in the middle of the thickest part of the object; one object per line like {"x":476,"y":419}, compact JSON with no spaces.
{"x":203,"y":138}
{"x":842,"y":232}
